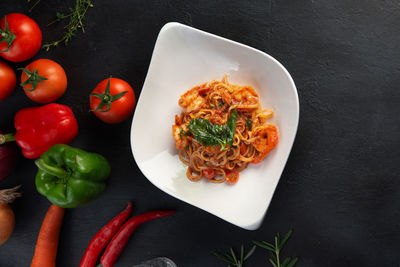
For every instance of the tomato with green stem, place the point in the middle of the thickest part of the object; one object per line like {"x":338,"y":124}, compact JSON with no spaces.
{"x":44,"y":81}
{"x":7,"y":80}
{"x":20,"y":37}
{"x":113,"y":100}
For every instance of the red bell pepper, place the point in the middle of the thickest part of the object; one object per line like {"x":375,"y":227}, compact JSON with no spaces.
{"x":39,"y":128}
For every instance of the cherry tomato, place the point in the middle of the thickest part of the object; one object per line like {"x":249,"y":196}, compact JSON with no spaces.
{"x":44,"y":81}
{"x":232,"y":176}
{"x":112,"y":100}
{"x":21,"y":37}
{"x":7,"y":80}
{"x":209,"y":174}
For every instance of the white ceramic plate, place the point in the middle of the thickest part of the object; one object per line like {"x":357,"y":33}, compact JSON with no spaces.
{"x":184,"y":57}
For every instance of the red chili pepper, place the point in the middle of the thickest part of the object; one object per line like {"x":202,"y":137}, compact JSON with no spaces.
{"x":100,"y":240}
{"x":117,"y":244}
{"x":39,"y":128}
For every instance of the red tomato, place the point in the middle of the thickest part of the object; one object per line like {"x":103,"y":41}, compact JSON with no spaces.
{"x":112,"y":100}
{"x":209,"y":174}
{"x":44,"y":81}
{"x":232,"y":176}
{"x":22,"y":36}
{"x":7,"y":80}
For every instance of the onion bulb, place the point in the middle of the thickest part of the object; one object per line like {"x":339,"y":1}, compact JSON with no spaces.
{"x":7,"y":218}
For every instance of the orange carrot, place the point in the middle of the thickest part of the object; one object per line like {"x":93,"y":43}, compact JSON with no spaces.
{"x":47,"y":243}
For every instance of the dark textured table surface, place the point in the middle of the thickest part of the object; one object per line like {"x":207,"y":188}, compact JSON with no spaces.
{"x":340,"y":188}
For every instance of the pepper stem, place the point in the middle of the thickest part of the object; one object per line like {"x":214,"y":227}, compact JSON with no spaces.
{"x":4,"y":138}
{"x":55,"y":171}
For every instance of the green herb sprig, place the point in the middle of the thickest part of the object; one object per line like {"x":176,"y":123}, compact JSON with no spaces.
{"x":235,"y":260}
{"x":33,"y":6}
{"x":184,"y":133}
{"x":209,"y":134}
{"x":249,"y":123}
{"x":275,"y":250}
{"x":76,"y":16}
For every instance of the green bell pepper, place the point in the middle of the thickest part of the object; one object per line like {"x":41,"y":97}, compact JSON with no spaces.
{"x":70,"y":177}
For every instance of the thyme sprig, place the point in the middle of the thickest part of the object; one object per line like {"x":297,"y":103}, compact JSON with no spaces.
{"x":76,"y":16}
{"x":235,"y":260}
{"x":33,"y":6}
{"x":275,"y":250}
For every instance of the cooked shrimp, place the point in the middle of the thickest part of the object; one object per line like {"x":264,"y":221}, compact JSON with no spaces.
{"x":245,"y":95}
{"x":192,"y":99}
{"x":180,"y":141}
{"x":178,"y":120}
{"x":266,"y":140}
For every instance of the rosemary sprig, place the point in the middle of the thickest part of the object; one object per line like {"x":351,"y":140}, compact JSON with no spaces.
{"x":275,"y":251}
{"x":235,"y":260}
{"x":76,"y":15}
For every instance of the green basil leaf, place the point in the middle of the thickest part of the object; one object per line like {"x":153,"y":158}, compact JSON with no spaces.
{"x":200,"y":129}
{"x":184,"y":133}
{"x":209,"y":134}
{"x":249,"y":123}
{"x":231,"y":124}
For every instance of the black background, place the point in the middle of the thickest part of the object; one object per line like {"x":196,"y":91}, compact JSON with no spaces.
{"x":340,"y":188}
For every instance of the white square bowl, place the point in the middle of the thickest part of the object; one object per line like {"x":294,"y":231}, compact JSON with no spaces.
{"x":184,"y":57}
